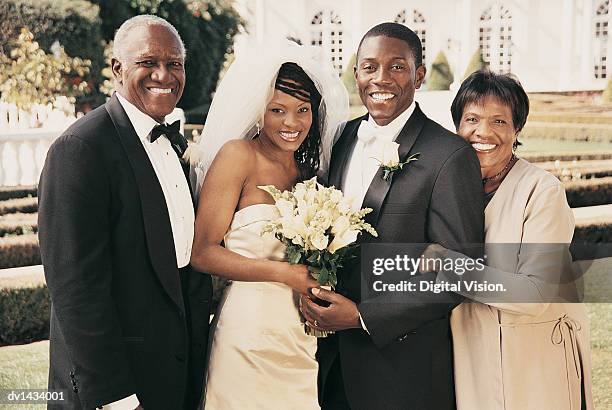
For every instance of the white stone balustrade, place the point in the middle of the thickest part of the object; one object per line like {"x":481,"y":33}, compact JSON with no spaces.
{"x":25,"y":138}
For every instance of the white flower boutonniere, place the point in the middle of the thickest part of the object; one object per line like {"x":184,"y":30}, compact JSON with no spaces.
{"x":390,"y":161}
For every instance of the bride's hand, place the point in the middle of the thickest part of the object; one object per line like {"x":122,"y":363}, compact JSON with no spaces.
{"x":298,"y":278}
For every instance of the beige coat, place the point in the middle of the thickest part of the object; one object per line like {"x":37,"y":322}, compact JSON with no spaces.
{"x":520,"y":356}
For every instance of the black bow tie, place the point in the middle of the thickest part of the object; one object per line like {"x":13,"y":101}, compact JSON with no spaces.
{"x":171,"y":131}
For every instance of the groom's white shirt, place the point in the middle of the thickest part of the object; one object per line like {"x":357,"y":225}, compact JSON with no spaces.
{"x":365,"y":159}
{"x":178,"y":200}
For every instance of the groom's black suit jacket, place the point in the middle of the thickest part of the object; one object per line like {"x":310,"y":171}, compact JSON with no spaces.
{"x":123,"y":319}
{"x":406,"y":360}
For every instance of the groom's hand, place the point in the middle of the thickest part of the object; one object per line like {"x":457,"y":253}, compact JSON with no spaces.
{"x":341,"y":314}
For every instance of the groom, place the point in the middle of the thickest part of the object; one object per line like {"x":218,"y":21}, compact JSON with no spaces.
{"x":396,"y":355}
{"x":129,"y":318}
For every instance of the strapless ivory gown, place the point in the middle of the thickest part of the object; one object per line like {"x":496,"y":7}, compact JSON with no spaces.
{"x":260,"y":357}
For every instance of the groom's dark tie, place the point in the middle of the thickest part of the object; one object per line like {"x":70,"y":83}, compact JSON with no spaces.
{"x":171,"y":131}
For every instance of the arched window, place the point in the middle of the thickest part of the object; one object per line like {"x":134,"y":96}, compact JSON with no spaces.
{"x":602,"y":25}
{"x":495,"y":38}
{"x":416,"y":24}
{"x":326,"y":32}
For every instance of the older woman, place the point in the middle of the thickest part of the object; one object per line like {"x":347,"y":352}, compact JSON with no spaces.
{"x":512,"y":355}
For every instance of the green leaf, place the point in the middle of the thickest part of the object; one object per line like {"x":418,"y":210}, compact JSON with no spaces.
{"x":323,"y":276}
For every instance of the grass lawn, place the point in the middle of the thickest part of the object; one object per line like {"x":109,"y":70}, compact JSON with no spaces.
{"x":25,"y":366}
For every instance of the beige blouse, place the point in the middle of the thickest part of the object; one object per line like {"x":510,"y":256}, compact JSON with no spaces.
{"x":520,"y":356}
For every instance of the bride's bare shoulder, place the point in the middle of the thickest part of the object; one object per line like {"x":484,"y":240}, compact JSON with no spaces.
{"x":236,"y":151}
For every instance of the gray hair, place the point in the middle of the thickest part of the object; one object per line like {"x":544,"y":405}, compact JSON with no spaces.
{"x":121,"y":36}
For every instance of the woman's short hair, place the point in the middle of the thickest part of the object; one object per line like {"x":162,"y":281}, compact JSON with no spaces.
{"x":485,"y":83}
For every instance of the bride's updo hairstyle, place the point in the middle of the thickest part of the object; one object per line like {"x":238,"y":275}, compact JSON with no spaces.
{"x":292,"y":80}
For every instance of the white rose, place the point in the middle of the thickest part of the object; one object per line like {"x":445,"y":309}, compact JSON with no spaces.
{"x":319,"y":240}
{"x":340,"y":241}
{"x":390,"y":154}
{"x":340,"y":225}
{"x":285,"y":207}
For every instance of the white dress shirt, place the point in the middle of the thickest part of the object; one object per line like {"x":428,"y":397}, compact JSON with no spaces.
{"x":365,"y":160}
{"x":176,"y":192}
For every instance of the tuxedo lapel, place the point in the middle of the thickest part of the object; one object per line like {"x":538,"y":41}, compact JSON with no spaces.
{"x":157,"y":226}
{"x":342,"y":151}
{"x":378,"y":189}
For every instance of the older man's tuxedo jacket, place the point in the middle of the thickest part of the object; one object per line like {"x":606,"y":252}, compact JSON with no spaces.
{"x":124,"y":320}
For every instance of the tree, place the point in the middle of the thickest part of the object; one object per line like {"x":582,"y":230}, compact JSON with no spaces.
{"x":207,"y":28}
{"x":30,"y":76}
{"x":441,"y":76}
{"x":74,"y":24}
{"x":476,"y":63}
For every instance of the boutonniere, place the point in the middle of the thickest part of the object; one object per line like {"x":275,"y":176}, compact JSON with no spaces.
{"x":193,"y":154}
{"x":390,"y":161}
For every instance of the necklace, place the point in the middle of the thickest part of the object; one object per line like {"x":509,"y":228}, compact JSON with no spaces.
{"x":500,"y":173}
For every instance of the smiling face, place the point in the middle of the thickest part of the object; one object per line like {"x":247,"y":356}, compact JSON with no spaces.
{"x":287,"y":121}
{"x":150,"y":72}
{"x":487,"y":126}
{"x":386,"y":77}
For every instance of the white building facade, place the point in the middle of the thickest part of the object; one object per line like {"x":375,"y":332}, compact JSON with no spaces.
{"x":551,"y":45}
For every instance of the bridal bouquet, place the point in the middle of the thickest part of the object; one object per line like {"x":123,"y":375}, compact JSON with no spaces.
{"x":318,"y":227}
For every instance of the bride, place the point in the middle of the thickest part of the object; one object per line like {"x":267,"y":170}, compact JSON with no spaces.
{"x":271,"y":122}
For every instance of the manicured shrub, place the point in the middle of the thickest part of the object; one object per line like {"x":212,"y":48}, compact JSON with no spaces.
{"x":553,"y":156}
{"x":589,"y":192}
{"x":441,"y":76}
{"x":20,"y":191}
{"x":24,"y":314}
{"x":593,"y":232}
{"x":24,"y":205}
{"x":607,"y":93}
{"x":21,"y":250}
{"x":476,"y":63}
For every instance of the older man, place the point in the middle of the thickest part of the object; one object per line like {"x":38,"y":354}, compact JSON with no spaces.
{"x":129,"y":320}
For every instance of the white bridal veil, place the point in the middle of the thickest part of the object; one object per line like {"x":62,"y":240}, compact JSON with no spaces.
{"x":240,"y":101}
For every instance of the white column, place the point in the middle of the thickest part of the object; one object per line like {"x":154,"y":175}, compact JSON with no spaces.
{"x":567,"y":43}
{"x":356,"y":28}
{"x":586,"y":62}
{"x":466,"y":26}
{"x":609,"y":47}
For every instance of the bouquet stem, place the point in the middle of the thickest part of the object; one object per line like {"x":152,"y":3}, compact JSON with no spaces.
{"x":315,"y":332}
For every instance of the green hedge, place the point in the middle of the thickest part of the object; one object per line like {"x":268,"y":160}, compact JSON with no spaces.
{"x":16,"y":251}
{"x":17,"y":228}
{"x":574,"y":118}
{"x":18,"y":224}
{"x":75,"y":24}
{"x":24,"y":314}
{"x":596,"y":232}
{"x":23,"y":205}
{"x":589,"y":192}
{"x":20,"y":191}
{"x":553,"y":156}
